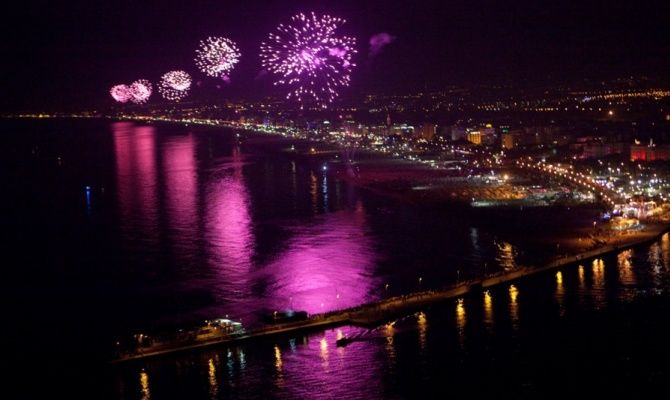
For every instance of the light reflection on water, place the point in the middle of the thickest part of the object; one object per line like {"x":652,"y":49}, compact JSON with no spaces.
{"x":198,"y":201}
{"x":136,"y":172}
{"x":228,"y":229}
{"x":422,"y":324}
{"x":367,"y":367}
{"x":506,"y":256}
{"x":488,"y":308}
{"x":206,"y":228}
{"x":144,"y":386}
{"x":325,"y":265}
{"x":322,"y":263}
{"x":213,"y":384}
{"x":514,"y":305}
{"x":598,"y":294}
{"x":560,"y":290}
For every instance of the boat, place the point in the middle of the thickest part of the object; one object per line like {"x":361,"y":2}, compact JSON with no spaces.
{"x":343,"y":341}
{"x":278,"y":317}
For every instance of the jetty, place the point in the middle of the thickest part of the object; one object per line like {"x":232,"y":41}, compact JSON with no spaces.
{"x":375,"y":313}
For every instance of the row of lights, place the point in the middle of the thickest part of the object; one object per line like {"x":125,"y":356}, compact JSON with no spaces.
{"x":576,"y":177}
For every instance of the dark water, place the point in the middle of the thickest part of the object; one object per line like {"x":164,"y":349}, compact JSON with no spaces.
{"x":182,"y":224}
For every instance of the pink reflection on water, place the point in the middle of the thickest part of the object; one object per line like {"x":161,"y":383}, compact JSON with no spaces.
{"x":327,"y":265}
{"x":228,"y":226}
{"x":328,"y":368}
{"x":134,"y":148}
{"x":179,"y":169}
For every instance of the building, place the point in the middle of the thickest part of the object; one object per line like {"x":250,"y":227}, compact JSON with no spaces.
{"x":541,"y":135}
{"x":427,"y":131}
{"x":457,"y":133}
{"x":402,"y":130}
{"x":599,"y":150}
{"x":510,"y":140}
{"x":475,"y":137}
{"x":488,"y":133}
{"x":650,"y":152}
{"x":379,"y":130}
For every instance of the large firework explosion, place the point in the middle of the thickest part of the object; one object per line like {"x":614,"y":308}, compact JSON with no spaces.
{"x":217,"y":56}
{"x":174,"y":85}
{"x":120,"y":93}
{"x":308,"y":57}
{"x":140,"y":91}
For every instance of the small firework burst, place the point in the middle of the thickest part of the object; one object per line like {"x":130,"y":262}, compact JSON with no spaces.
{"x":217,"y":56}
{"x":140,"y":91}
{"x":309,"y":57}
{"x":174,"y":85}
{"x":120,"y":93}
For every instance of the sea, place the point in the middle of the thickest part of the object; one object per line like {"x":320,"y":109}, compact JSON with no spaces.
{"x":111,"y":228}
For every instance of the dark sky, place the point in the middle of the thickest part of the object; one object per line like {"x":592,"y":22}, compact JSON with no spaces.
{"x":69,"y":54}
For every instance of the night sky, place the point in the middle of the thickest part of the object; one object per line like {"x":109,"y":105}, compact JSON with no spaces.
{"x":69,"y":54}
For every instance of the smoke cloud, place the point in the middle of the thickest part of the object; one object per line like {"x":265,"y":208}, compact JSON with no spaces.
{"x":378,"y":41}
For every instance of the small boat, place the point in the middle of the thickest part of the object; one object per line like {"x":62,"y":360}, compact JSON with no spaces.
{"x":343,"y":341}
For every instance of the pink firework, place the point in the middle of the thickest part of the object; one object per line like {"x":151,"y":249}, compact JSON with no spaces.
{"x":120,"y":93}
{"x":310,"y":58}
{"x":174,"y":85}
{"x":140,"y":91}
{"x":217,"y":56}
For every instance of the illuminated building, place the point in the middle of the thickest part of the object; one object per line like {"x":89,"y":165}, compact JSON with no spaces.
{"x":402,"y":130}
{"x":475,"y":137}
{"x":510,"y":140}
{"x":651,"y":152}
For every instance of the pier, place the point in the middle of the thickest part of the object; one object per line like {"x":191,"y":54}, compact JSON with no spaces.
{"x":373,"y":314}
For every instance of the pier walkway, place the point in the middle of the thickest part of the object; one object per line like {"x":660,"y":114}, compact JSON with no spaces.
{"x":375,"y":313}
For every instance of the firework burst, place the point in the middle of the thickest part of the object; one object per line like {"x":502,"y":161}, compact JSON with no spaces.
{"x":120,"y":93}
{"x":140,"y":91}
{"x":217,"y":56}
{"x":174,"y":85}
{"x":309,"y":58}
